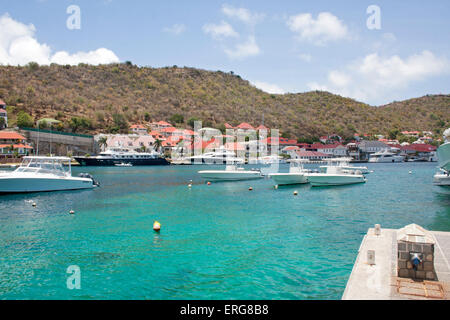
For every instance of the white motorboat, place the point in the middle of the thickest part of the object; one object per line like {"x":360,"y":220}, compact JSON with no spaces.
{"x":118,"y":155}
{"x":385,"y":156}
{"x":442,"y":178}
{"x":296,"y":174}
{"x":231,"y":173}
{"x":270,"y":159}
{"x":443,"y":152}
{"x":220,"y":156}
{"x":37,"y":174}
{"x":123,"y":164}
{"x":335,"y":174}
{"x":363,"y":170}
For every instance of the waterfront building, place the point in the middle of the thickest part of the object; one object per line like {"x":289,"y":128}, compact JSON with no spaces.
{"x":13,"y":143}
{"x":136,"y":142}
{"x":310,"y":155}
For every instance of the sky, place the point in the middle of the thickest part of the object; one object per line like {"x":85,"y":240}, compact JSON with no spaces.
{"x":373,"y":51}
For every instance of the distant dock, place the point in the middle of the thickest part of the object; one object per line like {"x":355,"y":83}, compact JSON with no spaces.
{"x":375,"y":274}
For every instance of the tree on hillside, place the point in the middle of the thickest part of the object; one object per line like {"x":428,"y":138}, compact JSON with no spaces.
{"x":191,"y":121}
{"x":24,"y":120}
{"x":157,"y":145}
{"x":120,"y":124}
{"x":2,"y":123}
{"x":177,"y":118}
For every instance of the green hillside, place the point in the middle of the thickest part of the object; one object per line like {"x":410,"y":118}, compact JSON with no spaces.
{"x":90,"y":99}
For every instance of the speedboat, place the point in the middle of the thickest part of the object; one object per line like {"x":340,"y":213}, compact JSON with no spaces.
{"x":220,"y":156}
{"x":231,"y":173}
{"x":385,"y":156}
{"x":38,"y":174}
{"x":363,"y":170}
{"x":442,"y":178}
{"x":123,"y":164}
{"x":335,"y":174}
{"x":296,"y":174}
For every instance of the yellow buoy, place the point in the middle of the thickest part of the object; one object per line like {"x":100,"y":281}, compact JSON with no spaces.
{"x":156,"y":226}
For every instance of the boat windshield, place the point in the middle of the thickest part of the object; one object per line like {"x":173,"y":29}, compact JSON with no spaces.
{"x":43,"y":166}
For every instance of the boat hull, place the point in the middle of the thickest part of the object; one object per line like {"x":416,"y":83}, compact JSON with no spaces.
{"x":288,"y":178}
{"x":24,"y":185}
{"x":441,"y":179}
{"x":387,"y":160}
{"x":223,"y":175}
{"x":87,"y":161}
{"x":443,"y":153}
{"x":318,"y":179}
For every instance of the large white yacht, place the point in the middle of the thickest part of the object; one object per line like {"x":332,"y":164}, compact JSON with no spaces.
{"x":443,"y":152}
{"x":385,"y":156}
{"x":296,"y":174}
{"x":119,"y":155}
{"x":37,"y":174}
{"x":220,"y":156}
{"x":335,"y":174}
{"x":231,"y":173}
{"x":442,"y":178}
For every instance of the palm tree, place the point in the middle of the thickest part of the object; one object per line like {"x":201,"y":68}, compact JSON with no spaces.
{"x":157,"y":145}
{"x":103,"y":142}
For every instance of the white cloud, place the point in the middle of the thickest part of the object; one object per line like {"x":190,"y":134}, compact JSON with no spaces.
{"x":18,"y":46}
{"x":325,"y":28}
{"x":175,"y":29}
{"x":305,"y":57}
{"x":268,"y":87}
{"x":218,"y":31}
{"x":375,"y":78}
{"x":245,"y":49}
{"x":242,"y":14}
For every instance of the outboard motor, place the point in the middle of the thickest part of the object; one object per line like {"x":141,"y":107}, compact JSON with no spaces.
{"x":89,"y":176}
{"x":416,"y":259}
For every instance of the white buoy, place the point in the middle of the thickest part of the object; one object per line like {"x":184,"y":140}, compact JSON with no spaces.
{"x":250,"y":189}
{"x":410,"y":172}
{"x":276,"y":187}
{"x":34,"y":204}
{"x":295,"y":193}
{"x":189,"y":185}
{"x":72,"y":212}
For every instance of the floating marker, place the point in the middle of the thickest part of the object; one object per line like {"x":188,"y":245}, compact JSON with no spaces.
{"x":34,"y":204}
{"x":156,"y":226}
{"x":250,"y":189}
{"x":209,"y":183}
{"x":276,"y":187}
{"x":72,"y":212}
{"x":190,"y":185}
{"x":410,"y":172}
{"x":295,"y":193}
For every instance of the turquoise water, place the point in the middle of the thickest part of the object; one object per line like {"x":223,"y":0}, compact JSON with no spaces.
{"x":217,"y":242}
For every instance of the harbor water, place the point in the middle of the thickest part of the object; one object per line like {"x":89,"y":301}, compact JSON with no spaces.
{"x":218,"y":241}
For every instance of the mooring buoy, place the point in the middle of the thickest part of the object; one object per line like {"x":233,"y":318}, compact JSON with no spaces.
{"x":156,"y":226}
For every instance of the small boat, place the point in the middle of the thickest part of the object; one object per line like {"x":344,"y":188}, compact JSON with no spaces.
{"x":335,"y":174}
{"x":231,"y":173}
{"x":38,"y":174}
{"x":385,"y":157}
{"x":123,"y":164}
{"x":442,"y":178}
{"x":363,"y":170}
{"x":220,"y":156}
{"x":296,"y":174}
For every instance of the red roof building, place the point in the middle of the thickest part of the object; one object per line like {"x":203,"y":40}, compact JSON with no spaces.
{"x":311,"y":155}
{"x":228,"y":126}
{"x":245,"y":126}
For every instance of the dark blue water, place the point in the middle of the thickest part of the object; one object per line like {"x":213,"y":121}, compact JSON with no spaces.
{"x":217,"y":242}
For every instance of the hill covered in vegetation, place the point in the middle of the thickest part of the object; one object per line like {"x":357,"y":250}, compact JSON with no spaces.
{"x":109,"y":98}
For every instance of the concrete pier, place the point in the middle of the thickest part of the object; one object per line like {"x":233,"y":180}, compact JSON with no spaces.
{"x":375,"y":275}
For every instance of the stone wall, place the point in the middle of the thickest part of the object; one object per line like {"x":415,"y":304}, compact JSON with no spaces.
{"x":425,"y":270}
